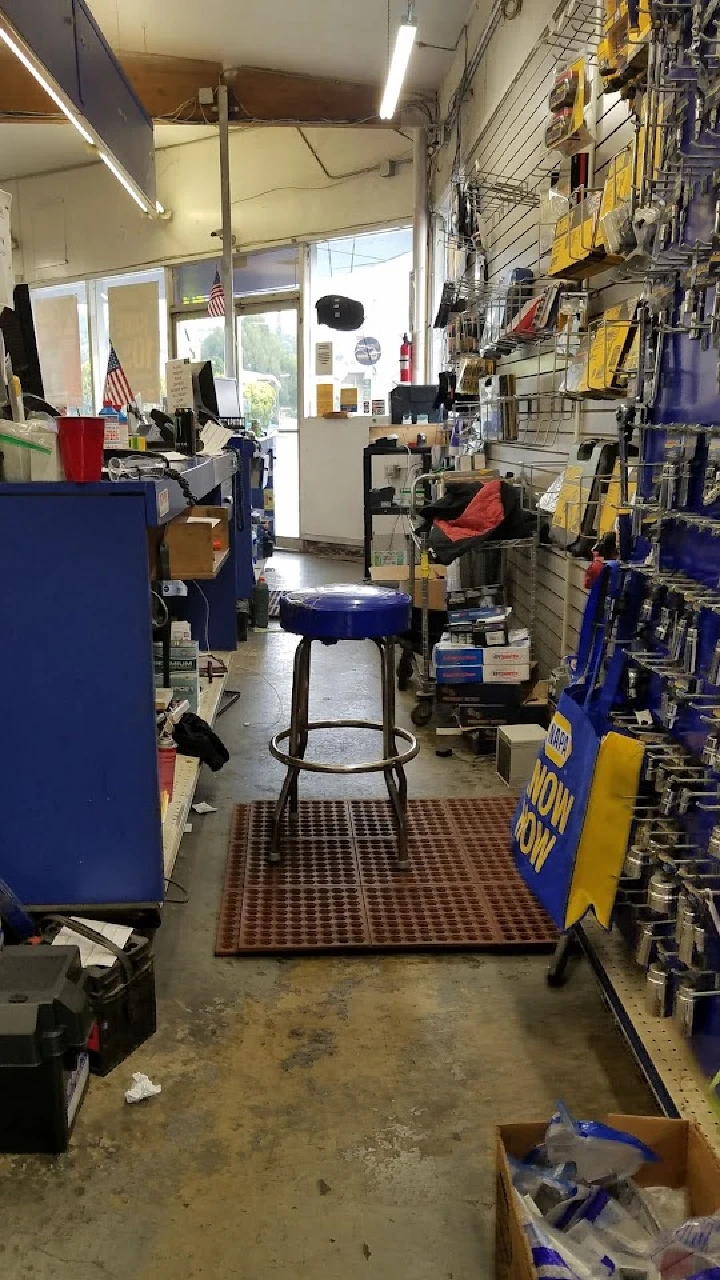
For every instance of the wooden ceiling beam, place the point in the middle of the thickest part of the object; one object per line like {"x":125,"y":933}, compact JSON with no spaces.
{"x":277,"y":97}
{"x":168,"y":88}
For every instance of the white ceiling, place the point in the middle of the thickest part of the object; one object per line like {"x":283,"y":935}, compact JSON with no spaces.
{"x":27,"y":149}
{"x":342,"y":38}
{"x":345,"y":39}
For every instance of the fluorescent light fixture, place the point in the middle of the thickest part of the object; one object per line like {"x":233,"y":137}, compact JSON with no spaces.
{"x":133,"y":191}
{"x":159,"y":208}
{"x":35,"y":71}
{"x":407,"y":31}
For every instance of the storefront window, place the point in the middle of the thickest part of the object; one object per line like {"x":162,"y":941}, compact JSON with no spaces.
{"x":268,"y":271}
{"x":62,"y":332}
{"x":201,"y":338}
{"x":131,"y":311}
{"x":373,"y":269}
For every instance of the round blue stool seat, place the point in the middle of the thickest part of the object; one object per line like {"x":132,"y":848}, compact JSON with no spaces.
{"x":345,"y":612}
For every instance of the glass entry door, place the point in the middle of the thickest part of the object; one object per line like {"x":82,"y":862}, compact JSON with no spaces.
{"x":267,"y":344}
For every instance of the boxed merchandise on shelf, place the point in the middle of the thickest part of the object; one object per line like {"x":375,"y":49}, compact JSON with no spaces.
{"x":184,"y":671}
{"x":398,"y":578}
{"x":470,"y":664}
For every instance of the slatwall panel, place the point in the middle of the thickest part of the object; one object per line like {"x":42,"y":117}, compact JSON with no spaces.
{"x":511,"y":146}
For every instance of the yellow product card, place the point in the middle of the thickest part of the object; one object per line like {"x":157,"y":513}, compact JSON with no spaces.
{"x":575,"y":240}
{"x":608,"y":343}
{"x":659,"y":136}
{"x":325,"y":398}
{"x":608,"y":819}
{"x":348,"y":399}
{"x":578,"y":111}
{"x":625,"y":46}
{"x":572,"y":499}
{"x":618,"y":183}
{"x":610,"y":502}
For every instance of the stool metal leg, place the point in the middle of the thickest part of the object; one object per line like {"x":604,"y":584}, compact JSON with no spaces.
{"x":397,"y":790}
{"x":303,"y":714}
{"x":299,"y":700}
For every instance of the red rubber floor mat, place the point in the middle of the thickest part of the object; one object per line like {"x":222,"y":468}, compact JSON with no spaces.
{"x":337,"y":887}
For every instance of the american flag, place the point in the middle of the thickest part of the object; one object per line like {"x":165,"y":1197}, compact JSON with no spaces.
{"x":117,"y":393}
{"x":216,"y":303}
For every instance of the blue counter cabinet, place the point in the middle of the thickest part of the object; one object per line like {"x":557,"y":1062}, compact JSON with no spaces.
{"x":79,"y":804}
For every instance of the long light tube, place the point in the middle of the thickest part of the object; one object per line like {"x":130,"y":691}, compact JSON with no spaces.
{"x":407,"y":32}
{"x":60,"y":101}
{"x":139,"y":199}
{"x":42,"y":80}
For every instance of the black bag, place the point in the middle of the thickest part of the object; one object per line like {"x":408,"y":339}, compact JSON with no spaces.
{"x":194,"y":737}
{"x":340,"y":313}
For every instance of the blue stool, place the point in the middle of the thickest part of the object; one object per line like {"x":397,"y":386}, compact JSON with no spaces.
{"x":337,"y":613}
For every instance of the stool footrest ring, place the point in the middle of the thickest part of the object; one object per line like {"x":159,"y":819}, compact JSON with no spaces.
{"x":373,"y":766}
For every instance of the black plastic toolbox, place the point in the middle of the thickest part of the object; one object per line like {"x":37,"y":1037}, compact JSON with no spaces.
{"x":122,"y":1000}
{"x":44,"y":1025}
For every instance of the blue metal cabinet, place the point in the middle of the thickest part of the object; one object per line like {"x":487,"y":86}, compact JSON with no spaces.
{"x":79,"y":808}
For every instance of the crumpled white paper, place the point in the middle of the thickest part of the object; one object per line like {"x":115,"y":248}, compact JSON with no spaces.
{"x":143,"y":1088}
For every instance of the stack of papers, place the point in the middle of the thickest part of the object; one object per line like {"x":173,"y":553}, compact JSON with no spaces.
{"x":93,"y":953}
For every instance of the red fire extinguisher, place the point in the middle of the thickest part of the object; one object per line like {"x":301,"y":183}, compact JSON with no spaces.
{"x":406,"y":359}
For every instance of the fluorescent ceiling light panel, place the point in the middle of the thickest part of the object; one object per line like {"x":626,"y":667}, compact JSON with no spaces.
{"x":407,"y":31}
{"x":125,"y":182}
{"x":36,"y":69}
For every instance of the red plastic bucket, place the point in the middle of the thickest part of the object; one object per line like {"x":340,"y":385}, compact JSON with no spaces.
{"x":81,"y":448}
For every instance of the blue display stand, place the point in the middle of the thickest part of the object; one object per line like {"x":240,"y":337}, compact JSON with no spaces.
{"x":79,"y":809}
{"x":243,"y":509}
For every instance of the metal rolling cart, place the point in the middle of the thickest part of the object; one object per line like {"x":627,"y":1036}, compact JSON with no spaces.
{"x":419,"y":455}
{"x":419,"y":571}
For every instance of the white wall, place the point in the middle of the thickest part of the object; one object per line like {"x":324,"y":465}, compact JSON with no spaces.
{"x":510,"y":45}
{"x":280,"y":194}
{"x":331,"y":478}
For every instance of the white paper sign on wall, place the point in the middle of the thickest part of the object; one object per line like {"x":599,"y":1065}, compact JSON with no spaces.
{"x":323,"y":359}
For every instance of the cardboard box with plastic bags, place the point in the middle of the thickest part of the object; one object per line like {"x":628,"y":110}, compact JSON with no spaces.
{"x":398,"y":577}
{"x":686,"y":1160}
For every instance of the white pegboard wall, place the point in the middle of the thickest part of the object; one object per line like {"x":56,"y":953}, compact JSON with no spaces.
{"x":510,"y":145}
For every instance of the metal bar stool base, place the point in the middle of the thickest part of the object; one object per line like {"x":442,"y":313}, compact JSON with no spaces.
{"x":392,"y":764}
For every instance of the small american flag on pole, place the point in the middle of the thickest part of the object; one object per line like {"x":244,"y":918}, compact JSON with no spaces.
{"x":216,"y":303}
{"x":117,"y":393}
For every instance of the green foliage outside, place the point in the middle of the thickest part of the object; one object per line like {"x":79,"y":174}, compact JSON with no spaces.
{"x":260,"y":403}
{"x":263,"y":350}
{"x":213,"y":348}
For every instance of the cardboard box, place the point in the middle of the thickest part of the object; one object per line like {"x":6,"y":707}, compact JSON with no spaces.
{"x":389,"y":576}
{"x":516,"y":751}
{"x":491,"y":656}
{"x":388,"y":558}
{"x":476,"y":675}
{"x":686,"y":1160}
{"x":184,"y":687}
{"x":505,"y":664}
{"x":198,"y":543}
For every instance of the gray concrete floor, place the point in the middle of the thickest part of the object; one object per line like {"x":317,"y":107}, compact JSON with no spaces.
{"x":324,"y":1118}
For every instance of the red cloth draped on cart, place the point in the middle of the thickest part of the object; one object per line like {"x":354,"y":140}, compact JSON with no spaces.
{"x":483,"y":513}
